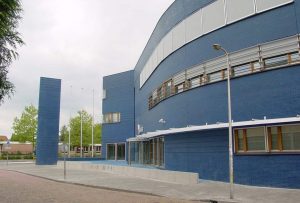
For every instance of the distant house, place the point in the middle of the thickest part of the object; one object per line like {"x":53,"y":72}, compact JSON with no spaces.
{"x":3,"y":138}
{"x":15,"y":147}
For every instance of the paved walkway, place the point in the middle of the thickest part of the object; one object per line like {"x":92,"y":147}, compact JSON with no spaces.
{"x":204,"y":191}
{"x":17,"y":187}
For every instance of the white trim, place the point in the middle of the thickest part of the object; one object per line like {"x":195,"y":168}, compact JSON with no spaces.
{"x":149,"y":135}
{"x":273,"y":7}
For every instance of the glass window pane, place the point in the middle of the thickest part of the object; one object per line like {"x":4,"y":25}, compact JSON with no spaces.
{"x":274,"y":136}
{"x":242,"y":69}
{"x":217,"y":76}
{"x":195,"y":82}
{"x":295,"y":57}
{"x":240,"y":140}
{"x":110,"y":152}
{"x":276,"y":61}
{"x":291,"y":137}
{"x":255,"y":139}
{"x":179,"y":88}
{"x":168,"y":88}
{"x":121,"y":152}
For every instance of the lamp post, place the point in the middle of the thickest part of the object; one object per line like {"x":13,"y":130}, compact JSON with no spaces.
{"x":81,"y":130}
{"x":93,"y":128}
{"x":219,"y":47}
{"x":69,"y":147}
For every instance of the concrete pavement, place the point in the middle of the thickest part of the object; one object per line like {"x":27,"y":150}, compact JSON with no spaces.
{"x":17,"y":187}
{"x":204,"y":190}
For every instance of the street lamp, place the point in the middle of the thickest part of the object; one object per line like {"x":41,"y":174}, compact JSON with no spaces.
{"x":93,"y":127}
{"x":218,"y":47}
{"x":81,"y":129}
{"x":69,"y":147}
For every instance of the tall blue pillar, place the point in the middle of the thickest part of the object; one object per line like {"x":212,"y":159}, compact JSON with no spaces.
{"x":48,"y":121}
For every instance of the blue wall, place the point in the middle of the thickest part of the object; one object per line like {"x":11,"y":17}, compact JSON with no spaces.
{"x":274,"y":94}
{"x":200,"y":152}
{"x":48,"y":121}
{"x":119,"y":98}
{"x":206,"y":153}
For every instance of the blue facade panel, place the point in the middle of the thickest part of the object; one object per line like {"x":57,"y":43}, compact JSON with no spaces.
{"x":206,"y":153}
{"x":268,"y":170}
{"x":48,"y":121}
{"x":119,"y":98}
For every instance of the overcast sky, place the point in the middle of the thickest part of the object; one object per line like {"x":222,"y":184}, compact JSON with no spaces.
{"x":78,"y":41}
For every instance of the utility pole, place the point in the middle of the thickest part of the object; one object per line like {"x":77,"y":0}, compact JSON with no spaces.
{"x":93,"y":128}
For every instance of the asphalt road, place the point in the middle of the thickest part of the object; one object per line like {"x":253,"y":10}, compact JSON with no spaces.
{"x":20,"y":188}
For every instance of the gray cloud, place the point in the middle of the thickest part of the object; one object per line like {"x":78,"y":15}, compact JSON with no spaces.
{"x":79,"y":41}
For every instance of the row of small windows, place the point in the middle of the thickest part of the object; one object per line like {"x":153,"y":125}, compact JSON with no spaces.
{"x":216,"y":70}
{"x":112,"y":118}
{"x":215,"y":15}
{"x":285,"y":138}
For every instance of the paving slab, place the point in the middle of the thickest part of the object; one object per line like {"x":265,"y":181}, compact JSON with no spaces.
{"x":204,"y":190}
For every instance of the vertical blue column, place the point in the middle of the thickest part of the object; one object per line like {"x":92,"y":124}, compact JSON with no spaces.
{"x":48,"y":121}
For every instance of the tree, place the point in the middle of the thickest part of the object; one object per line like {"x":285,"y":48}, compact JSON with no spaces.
{"x":64,"y":134}
{"x":10,"y":11}
{"x":25,"y":128}
{"x":86,"y":130}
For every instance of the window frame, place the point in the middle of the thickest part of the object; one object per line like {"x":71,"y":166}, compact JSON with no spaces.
{"x":245,"y":140}
{"x":111,"y":118}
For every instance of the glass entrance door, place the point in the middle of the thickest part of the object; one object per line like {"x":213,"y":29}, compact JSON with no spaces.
{"x":121,"y":151}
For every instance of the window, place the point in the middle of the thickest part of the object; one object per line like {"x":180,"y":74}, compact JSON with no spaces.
{"x":255,"y":139}
{"x":195,"y":82}
{"x":160,"y":93}
{"x":179,"y":88}
{"x":154,"y":97}
{"x":241,"y":69}
{"x":291,"y":137}
{"x":111,"y":118}
{"x":283,"y":138}
{"x":121,"y":151}
{"x":168,"y":88}
{"x":217,"y":76}
{"x":115,"y":151}
{"x":150,"y":102}
{"x":276,"y":61}
{"x":251,"y":139}
{"x":294,"y":57}
{"x":110,"y":152}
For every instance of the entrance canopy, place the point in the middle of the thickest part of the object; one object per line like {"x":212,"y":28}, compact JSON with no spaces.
{"x":253,"y":122}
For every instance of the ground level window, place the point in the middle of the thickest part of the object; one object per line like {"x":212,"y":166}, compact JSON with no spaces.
{"x":150,"y":152}
{"x":111,"y":152}
{"x":251,"y":139}
{"x":121,"y":151}
{"x":283,"y":138}
{"x":115,"y":151}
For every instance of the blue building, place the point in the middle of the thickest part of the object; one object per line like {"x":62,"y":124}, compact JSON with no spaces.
{"x":171,"y":110}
